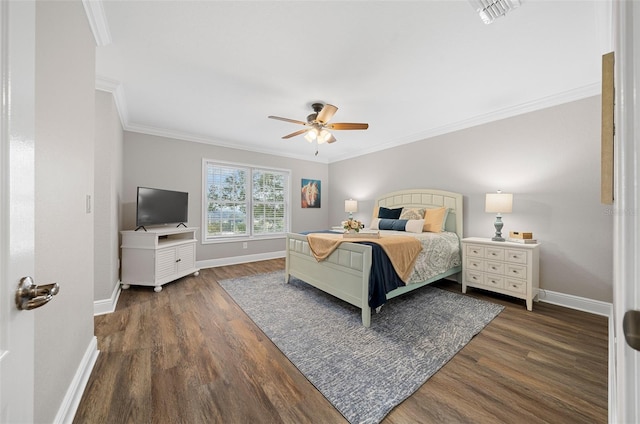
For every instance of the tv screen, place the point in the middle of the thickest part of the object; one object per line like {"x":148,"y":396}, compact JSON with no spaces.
{"x":159,"y":207}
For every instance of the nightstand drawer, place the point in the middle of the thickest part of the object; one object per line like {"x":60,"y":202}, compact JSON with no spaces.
{"x":494,"y":267}
{"x":518,"y":271}
{"x":494,"y":281}
{"x":494,"y":253}
{"x":518,"y":286}
{"x":516,"y":256}
{"x":475,"y":264}
{"x":475,"y":251}
{"x":474,"y":277}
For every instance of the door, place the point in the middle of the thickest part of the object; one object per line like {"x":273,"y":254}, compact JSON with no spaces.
{"x":17,"y":53}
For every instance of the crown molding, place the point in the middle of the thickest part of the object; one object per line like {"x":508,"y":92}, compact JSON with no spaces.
{"x":115,"y":88}
{"x":542,"y":103}
{"x":97,"y":21}
{"x":195,"y":138}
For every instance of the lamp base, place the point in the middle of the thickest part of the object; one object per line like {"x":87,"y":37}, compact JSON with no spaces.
{"x":498,"y":224}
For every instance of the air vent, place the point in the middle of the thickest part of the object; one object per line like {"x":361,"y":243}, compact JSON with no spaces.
{"x":490,"y":10}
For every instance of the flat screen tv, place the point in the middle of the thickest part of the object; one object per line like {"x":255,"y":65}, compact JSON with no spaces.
{"x":161,"y":207}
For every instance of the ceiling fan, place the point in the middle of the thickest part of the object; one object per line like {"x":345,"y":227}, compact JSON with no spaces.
{"x":318,"y":125}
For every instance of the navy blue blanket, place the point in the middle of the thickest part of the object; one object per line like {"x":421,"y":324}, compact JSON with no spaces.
{"x":383,"y":277}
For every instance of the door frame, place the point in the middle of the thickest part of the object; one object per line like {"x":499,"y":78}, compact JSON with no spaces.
{"x":625,"y":382}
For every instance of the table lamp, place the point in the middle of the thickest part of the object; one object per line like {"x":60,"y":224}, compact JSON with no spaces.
{"x":351,"y":206}
{"x":498,"y":203}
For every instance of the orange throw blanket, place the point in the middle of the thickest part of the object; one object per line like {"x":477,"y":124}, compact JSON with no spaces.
{"x":402,"y":251}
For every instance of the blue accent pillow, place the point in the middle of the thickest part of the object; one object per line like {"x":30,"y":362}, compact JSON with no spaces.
{"x":386,"y":213}
{"x":392,"y":224}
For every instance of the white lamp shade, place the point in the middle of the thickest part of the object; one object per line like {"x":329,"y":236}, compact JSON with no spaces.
{"x":311,"y":135}
{"x":351,"y":205}
{"x":498,"y":202}
{"x":323,"y":136}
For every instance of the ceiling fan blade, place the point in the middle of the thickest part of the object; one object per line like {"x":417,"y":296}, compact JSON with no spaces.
{"x":347,"y":126}
{"x":293,"y":121}
{"x":326,"y":113}
{"x":295,"y":133}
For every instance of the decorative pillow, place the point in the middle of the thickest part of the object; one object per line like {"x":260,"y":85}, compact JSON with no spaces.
{"x":434,"y":219}
{"x":414,"y":226}
{"x":412,"y":213}
{"x":444,"y":218}
{"x":409,"y":225}
{"x":386,"y":213}
{"x":392,"y":224}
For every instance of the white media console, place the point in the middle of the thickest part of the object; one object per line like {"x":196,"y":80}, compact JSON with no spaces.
{"x":158,"y":256}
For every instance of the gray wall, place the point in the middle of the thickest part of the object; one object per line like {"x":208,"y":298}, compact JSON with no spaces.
{"x":108,"y":190}
{"x":64,"y":140}
{"x":171,"y":164}
{"x":549,"y":160}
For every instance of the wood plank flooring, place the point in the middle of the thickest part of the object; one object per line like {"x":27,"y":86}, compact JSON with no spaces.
{"x":189,"y":354}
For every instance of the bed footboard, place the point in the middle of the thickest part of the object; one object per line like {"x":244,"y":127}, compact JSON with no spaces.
{"x":344,"y":274}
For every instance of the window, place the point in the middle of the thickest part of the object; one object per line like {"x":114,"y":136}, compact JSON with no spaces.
{"x":242,"y":201}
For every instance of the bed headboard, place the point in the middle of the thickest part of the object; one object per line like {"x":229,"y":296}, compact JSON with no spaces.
{"x":427,"y":198}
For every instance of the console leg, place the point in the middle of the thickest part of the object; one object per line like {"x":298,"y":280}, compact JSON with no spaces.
{"x":125,"y":286}
{"x":157,"y":289}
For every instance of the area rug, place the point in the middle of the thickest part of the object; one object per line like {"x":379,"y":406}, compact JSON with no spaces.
{"x":363,"y":372}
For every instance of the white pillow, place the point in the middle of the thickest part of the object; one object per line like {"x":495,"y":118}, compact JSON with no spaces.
{"x":414,"y":226}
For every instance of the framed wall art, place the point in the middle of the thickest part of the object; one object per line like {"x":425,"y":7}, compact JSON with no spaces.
{"x":310,"y":193}
{"x":608,"y":129}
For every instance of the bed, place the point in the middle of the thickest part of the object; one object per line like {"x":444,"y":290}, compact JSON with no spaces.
{"x":345,"y":272}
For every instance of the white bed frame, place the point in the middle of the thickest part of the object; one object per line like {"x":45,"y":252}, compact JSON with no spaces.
{"x":345,"y":273}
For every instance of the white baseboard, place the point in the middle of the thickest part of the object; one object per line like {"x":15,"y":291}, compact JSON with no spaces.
{"x":575,"y":302}
{"x":71,"y":400}
{"x":106,"y":306}
{"x":212,"y":263}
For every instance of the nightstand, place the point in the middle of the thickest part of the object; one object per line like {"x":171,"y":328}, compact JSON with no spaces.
{"x":501,"y":267}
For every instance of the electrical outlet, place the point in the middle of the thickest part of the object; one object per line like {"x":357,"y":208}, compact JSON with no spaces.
{"x":244,"y":245}
{"x":88,"y":205}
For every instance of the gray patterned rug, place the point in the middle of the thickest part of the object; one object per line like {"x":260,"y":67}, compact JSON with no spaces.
{"x":363,"y":372}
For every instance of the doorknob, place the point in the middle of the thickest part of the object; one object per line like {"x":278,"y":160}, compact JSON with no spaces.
{"x":31,"y":296}
{"x":631,"y":328}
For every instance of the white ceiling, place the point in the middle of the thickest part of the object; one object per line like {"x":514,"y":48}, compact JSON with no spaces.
{"x":212,"y":71}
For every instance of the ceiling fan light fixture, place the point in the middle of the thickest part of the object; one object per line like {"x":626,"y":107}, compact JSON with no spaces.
{"x":490,"y":10}
{"x":318,"y":126}
{"x":324,"y":136}
{"x":311,"y":135}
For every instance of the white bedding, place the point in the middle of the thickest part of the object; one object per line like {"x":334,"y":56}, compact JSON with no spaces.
{"x":440,"y":252}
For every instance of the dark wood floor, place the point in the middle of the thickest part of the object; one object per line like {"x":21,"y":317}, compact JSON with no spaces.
{"x":189,"y":354}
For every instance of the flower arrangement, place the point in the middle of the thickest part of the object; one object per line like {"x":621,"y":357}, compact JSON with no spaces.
{"x":352,"y":224}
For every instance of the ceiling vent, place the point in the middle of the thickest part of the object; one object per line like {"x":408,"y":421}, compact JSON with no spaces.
{"x":490,"y":10}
